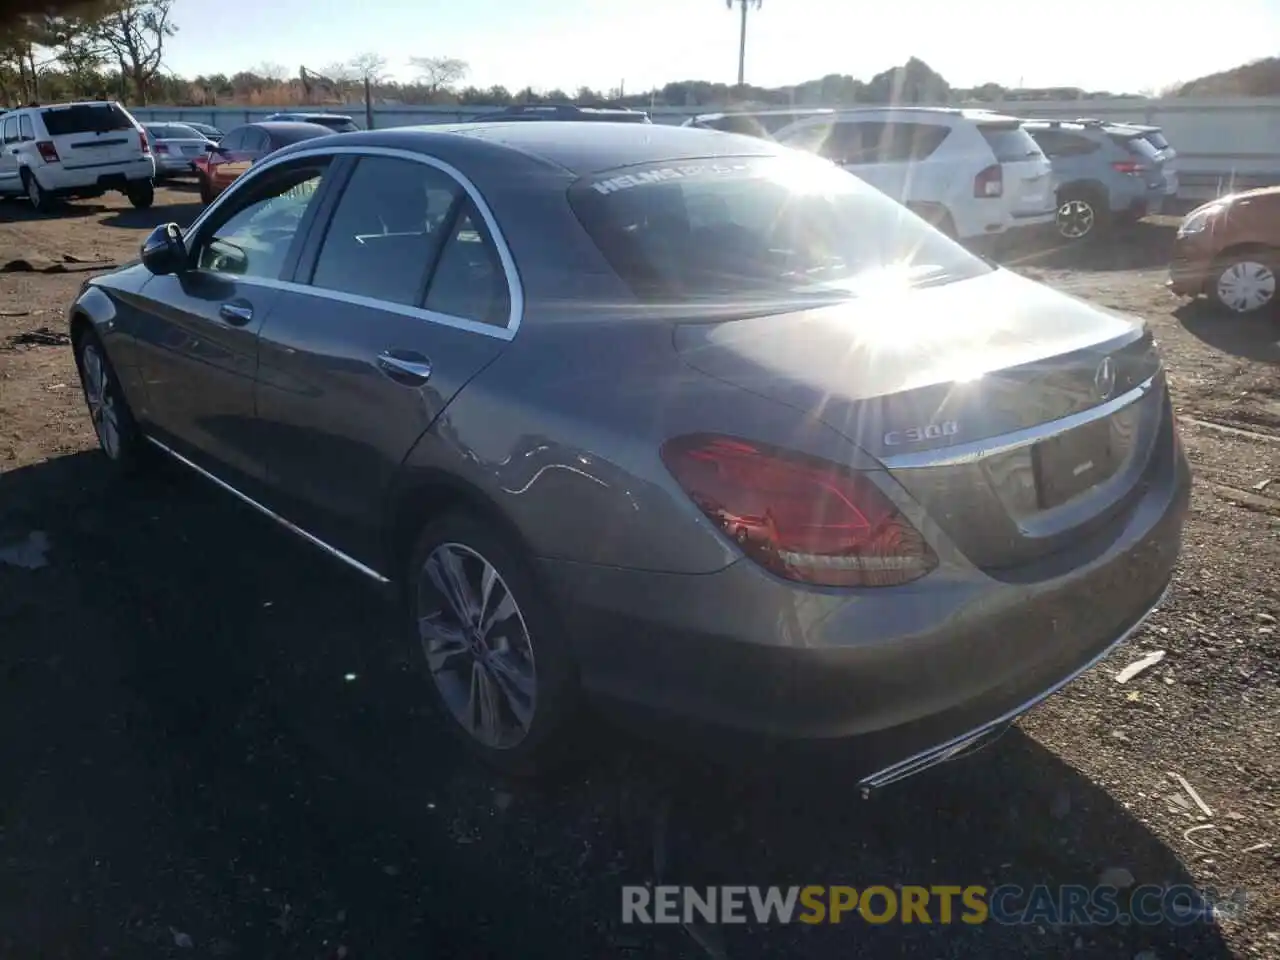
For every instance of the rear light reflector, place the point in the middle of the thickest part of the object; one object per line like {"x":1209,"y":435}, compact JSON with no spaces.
{"x":990,"y":182}
{"x":162,"y":148}
{"x":802,"y":518}
{"x":48,"y":152}
{"x":1128,"y":166}
{"x":145,"y":143}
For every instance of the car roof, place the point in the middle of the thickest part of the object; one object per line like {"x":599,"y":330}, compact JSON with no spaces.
{"x":579,"y":148}
{"x":318,"y":113}
{"x":767,"y":112}
{"x":297,"y":127}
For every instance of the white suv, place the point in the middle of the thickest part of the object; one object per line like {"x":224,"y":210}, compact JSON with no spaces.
{"x":75,"y":150}
{"x":971,"y":173}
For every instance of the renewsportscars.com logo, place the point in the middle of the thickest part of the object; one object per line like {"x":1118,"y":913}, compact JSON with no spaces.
{"x":1008,"y":904}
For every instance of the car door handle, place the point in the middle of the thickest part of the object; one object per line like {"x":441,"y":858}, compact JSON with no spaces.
{"x":236,"y":313}
{"x":405,"y":366}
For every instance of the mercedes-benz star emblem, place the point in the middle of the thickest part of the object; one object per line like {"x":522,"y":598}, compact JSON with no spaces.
{"x":1104,"y":379}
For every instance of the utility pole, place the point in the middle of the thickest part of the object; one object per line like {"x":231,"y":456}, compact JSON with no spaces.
{"x":742,"y":36}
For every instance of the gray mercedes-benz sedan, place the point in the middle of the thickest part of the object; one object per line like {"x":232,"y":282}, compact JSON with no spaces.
{"x":660,"y":418}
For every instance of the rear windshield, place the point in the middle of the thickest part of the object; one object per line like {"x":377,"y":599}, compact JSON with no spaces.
{"x":284,"y":137}
{"x":1137,"y":143}
{"x":172,"y":131}
{"x":1010,"y":144}
{"x":85,"y":118}
{"x":338,"y":125}
{"x":759,"y":228}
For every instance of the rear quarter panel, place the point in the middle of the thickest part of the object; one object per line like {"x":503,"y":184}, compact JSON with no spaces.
{"x":562,"y":435}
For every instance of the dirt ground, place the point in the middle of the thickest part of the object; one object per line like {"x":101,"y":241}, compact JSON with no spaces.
{"x":212,"y":746}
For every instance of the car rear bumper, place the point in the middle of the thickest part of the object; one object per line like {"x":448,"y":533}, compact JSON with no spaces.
{"x":57,"y":179}
{"x":175,"y":165}
{"x":900,"y":670}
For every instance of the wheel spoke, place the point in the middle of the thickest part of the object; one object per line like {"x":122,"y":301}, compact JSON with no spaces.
{"x":441,"y":642}
{"x":446,"y":574}
{"x":516,"y":687}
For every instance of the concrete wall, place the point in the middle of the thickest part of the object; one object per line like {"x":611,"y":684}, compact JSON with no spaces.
{"x":1223,"y":144}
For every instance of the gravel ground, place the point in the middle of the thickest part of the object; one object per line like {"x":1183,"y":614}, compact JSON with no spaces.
{"x":213,"y":747}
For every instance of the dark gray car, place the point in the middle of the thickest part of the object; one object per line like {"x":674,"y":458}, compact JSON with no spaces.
{"x":672,"y":419}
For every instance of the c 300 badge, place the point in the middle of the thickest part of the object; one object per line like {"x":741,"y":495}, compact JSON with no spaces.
{"x":921,"y":433}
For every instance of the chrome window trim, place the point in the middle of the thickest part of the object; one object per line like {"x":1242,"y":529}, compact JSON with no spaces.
{"x":1006,"y":442}
{"x":514,"y":287}
{"x":268,"y":512}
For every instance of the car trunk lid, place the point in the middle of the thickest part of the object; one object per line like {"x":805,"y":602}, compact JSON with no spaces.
{"x":1019,"y":418}
{"x":92,"y":134}
{"x":1028,"y":174}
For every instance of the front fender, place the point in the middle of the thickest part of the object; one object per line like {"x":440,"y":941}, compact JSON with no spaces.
{"x":103,"y":314}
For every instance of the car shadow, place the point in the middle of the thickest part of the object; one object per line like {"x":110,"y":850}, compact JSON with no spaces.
{"x":1251,"y":338}
{"x":215,"y":733}
{"x":19,"y":210}
{"x":1144,"y":245}
{"x":179,"y":213}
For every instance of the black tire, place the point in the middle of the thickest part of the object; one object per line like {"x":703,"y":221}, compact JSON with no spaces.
{"x":1246,"y":281}
{"x":41,"y":202}
{"x":141,"y":193}
{"x":1081,"y":216}
{"x":546,"y":735}
{"x":206,"y":190}
{"x":127,"y":452}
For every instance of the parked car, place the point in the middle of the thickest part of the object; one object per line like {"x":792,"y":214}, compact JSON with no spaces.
{"x":207,"y":130}
{"x":753,"y":123}
{"x":1165,"y":153}
{"x":245,"y":145}
{"x":663,"y":418}
{"x":75,"y":150}
{"x":1229,"y":250}
{"x":563,"y":111}
{"x":1102,"y":173}
{"x":973,"y":174}
{"x":336,"y":122}
{"x":176,"y":147}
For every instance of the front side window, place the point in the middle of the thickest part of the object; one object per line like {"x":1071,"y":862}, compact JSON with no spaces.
{"x":386,"y":230}
{"x":9,"y":130}
{"x":761,"y":229}
{"x":234,"y":140}
{"x":255,"y":238}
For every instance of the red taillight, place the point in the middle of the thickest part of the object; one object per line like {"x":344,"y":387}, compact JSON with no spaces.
{"x":48,"y":152}
{"x":162,"y":148}
{"x":1128,"y":166}
{"x":990,"y":182}
{"x":802,"y":518}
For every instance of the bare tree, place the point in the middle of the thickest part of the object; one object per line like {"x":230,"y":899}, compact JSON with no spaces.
{"x":370,"y":66}
{"x":439,"y":73}
{"x":742,"y":35}
{"x":275,"y":72}
{"x":135,"y":33}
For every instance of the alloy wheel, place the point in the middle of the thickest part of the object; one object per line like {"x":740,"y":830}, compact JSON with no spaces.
{"x":1246,"y":286}
{"x":33,"y":192}
{"x":1076,"y":219}
{"x":477,"y":646}
{"x":100,"y":394}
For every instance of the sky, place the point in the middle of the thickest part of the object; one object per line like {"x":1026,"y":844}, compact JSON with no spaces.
{"x":1118,"y":46}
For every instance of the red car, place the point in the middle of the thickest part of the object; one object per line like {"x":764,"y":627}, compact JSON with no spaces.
{"x":241,"y":147}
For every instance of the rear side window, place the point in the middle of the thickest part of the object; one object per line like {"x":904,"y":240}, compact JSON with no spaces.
{"x":386,"y":230}
{"x":1156,"y":139}
{"x":469,"y":280}
{"x":1061,"y":143}
{"x":898,"y":142}
{"x":1010,"y":144}
{"x":85,"y":118}
{"x":337,"y":126}
{"x":25,"y":129}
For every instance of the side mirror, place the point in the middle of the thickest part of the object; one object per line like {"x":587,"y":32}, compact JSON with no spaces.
{"x":163,"y":252}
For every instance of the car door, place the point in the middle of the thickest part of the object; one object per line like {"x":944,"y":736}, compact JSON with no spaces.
{"x":402,"y":295}
{"x":234,"y":157}
{"x":197,"y":333}
{"x":9,"y":144}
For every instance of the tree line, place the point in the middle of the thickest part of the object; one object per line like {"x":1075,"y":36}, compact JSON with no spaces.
{"x":80,"y":49}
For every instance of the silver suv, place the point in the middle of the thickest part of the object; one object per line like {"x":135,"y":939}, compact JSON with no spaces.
{"x":1102,"y":172}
